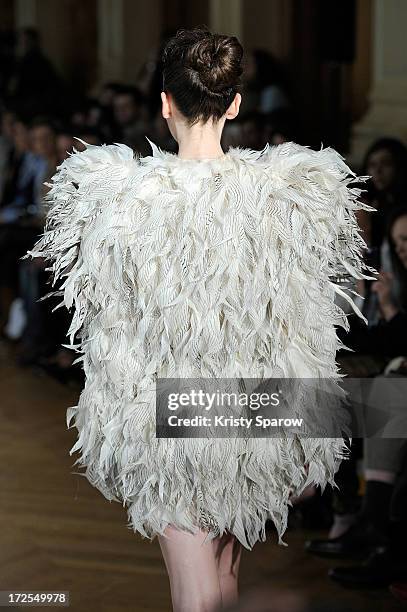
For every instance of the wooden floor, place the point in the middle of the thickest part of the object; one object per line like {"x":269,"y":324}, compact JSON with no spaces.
{"x":58,"y":533}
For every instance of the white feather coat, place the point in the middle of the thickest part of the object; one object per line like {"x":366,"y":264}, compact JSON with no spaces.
{"x":200,"y":268}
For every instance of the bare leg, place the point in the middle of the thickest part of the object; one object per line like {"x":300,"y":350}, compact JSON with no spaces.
{"x":192,"y":570}
{"x":228,"y":552}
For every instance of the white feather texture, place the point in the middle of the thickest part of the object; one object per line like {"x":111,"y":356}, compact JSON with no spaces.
{"x":200,"y":268}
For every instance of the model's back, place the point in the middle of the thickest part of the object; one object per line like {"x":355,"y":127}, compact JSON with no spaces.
{"x":224,"y":267}
{"x":220,"y":267}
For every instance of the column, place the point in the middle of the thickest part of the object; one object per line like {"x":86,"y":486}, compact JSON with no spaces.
{"x":387,"y":113}
{"x":128,"y":30}
{"x":268,"y":24}
{"x":110,"y":40}
{"x":26,"y":13}
{"x":225,"y":17}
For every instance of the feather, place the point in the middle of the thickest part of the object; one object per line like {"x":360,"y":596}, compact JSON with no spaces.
{"x":200,"y":268}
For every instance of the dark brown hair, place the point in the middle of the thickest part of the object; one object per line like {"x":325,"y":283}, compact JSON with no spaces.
{"x":202,"y":70}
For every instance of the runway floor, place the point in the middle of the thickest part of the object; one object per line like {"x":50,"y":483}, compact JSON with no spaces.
{"x":58,"y":533}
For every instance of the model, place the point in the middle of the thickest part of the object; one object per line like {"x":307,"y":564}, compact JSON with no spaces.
{"x":201,"y":264}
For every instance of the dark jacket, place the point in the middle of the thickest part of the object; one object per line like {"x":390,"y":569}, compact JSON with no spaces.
{"x":387,"y":338}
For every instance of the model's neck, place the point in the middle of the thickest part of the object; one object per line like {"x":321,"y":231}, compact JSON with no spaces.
{"x":205,"y":152}
{"x":200,"y":144}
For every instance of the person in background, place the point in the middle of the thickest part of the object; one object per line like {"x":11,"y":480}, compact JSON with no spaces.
{"x":105,"y":99}
{"x":107,"y":94}
{"x":252,"y":132}
{"x":388,"y":338}
{"x":97,"y":117}
{"x":78,"y":116}
{"x":35,"y":83}
{"x":43,"y":137}
{"x":265,"y":84}
{"x":22,"y":192}
{"x":88,"y":135}
{"x":386,"y":163}
{"x":6,"y":149}
{"x":149,"y":78}
{"x":64,"y":145}
{"x":280,"y":126}
{"x":382,"y":456}
{"x":129,"y":113}
{"x":19,"y":218}
{"x":41,"y":337}
{"x":161,"y":135}
{"x":7,"y":58}
{"x":386,"y":564}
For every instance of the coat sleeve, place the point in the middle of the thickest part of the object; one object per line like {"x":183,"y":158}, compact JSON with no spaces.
{"x":83,"y":186}
{"x":312,"y":196}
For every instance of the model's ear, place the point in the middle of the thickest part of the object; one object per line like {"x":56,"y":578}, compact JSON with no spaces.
{"x":166,"y":105}
{"x":233,"y":109}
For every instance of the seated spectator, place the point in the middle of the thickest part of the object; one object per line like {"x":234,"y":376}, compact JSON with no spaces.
{"x":6,"y":149}
{"x":386,"y":510}
{"x":382,"y":456}
{"x":45,"y":330}
{"x":24,"y":185}
{"x":386,"y":163}
{"x":379,"y":532}
{"x":22,"y":219}
{"x":388,"y":338}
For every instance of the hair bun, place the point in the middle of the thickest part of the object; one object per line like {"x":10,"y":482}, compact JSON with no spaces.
{"x":217,"y":60}
{"x":201,"y":71}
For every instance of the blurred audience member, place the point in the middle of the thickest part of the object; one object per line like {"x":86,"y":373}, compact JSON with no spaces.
{"x":252,"y":133}
{"x":64,"y":145}
{"x":231,"y":135}
{"x":150,"y":78}
{"x":6,"y":148}
{"x":22,"y":215}
{"x":386,"y":163}
{"x":23,"y":187}
{"x":43,"y":135}
{"x":388,"y":338}
{"x":88,"y":135}
{"x":106,"y":98}
{"x":161,"y":135}
{"x":387,"y":563}
{"x":265,"y":83}
{"x":280,"y":126}
{"x":130,"y":119}
{"x":7,"y":59}
{"x":382,"y":456}
{"x":35,"y":84}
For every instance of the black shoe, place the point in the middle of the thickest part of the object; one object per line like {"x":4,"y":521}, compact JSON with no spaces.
{"x":378,"y":571}
{"x":358,"y":541}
